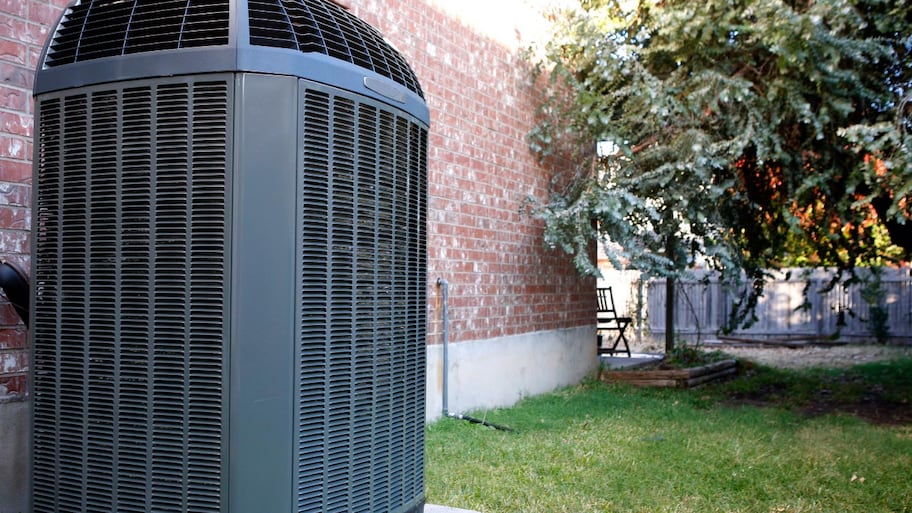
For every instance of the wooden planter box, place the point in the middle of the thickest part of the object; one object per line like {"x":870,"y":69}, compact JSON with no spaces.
{"x":676,"y":378}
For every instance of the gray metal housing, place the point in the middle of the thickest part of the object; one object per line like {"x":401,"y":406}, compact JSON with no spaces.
{"x":229,"y":271}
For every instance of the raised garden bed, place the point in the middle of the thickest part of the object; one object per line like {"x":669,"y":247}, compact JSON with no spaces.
{"x":673,"y":378}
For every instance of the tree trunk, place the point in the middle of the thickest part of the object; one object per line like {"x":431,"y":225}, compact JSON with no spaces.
{"x":669,"y":297}
{"x":669,"y":314}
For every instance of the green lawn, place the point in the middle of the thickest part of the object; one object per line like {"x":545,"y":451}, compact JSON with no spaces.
{"x":610,"y":448}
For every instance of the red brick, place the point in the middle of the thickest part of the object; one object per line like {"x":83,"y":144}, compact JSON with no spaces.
{"x":12,"y":362}
{"x":14,"y":99}
{"x":8,"y":315}
{"x":15,"y":194}
{"x":12,"y":51}
{"x":17,"y":218}
{"x":13,"y":29}
{"x":16,"y":123}
{"x":15,"y":7}
{"x":16,"y":75}
{"x":13,"y":147}
{"x":47,"y":14}
{"x":13,"y":338}
{"x":15,"y":171}
{"x":17,"y":383}
{"x":14,"y":241}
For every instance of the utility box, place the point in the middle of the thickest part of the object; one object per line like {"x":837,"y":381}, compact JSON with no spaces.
{"x":229,"y":265}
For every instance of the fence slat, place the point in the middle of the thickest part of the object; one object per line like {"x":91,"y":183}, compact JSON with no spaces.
{"x":702,"y":306}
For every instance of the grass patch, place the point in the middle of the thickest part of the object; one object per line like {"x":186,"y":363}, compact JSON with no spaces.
{"x":613,"y":448}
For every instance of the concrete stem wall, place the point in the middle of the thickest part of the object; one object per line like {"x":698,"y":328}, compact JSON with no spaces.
{"x":499,"y":372}
{"x":14,"y":457}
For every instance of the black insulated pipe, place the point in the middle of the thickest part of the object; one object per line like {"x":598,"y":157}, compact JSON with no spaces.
{"x":15,"y":285}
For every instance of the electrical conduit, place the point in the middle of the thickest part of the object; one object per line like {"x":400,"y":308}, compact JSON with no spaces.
{"x":443,"y":296}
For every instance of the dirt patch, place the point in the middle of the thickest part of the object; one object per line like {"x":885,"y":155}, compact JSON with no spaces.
{"x":874,"y":411}
{"x":868,"y":401}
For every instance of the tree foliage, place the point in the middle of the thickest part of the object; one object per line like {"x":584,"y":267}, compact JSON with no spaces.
{"x":749,"y":134}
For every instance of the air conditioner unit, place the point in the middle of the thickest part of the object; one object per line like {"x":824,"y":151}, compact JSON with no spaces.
{"x":229,"y":265}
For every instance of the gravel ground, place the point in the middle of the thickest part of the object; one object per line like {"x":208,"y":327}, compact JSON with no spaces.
{"x":819,"y":356}
{"x":810,"y":355}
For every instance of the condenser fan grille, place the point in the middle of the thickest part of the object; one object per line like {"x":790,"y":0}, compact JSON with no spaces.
{"x":324,"y":27}
{"x":129,"y":275}
{"x":106,"y":28}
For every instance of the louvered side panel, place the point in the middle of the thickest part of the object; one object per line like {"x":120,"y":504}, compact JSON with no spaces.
{"x":366,"y":435}
{"x":361,"y":307}
{"x":130,"y":275}
{"x":101,"y":325}
{"x":136,"y":282}
{"x":48,"y":181}
{"x":415,"y":292}
{"x":207,"y":272}
{"x":341,"y":341}
{"x":314,"y":305}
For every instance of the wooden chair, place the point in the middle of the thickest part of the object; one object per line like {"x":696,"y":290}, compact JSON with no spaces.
{"x":609,"y":321}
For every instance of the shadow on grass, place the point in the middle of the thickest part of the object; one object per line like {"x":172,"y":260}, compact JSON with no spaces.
{"x":876,"y":392}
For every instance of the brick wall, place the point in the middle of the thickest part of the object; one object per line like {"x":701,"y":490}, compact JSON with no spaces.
{"x":23,"y":30}
{"x":502,"y":282}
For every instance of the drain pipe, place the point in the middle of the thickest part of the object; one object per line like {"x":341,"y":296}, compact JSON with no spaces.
{"x":443,"y":288}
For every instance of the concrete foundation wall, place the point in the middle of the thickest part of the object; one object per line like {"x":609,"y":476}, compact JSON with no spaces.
{"x":14,"y":457}
{"x":499,"y":372}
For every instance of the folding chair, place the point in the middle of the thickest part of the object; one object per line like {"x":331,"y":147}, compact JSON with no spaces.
{"x":608,"y":320}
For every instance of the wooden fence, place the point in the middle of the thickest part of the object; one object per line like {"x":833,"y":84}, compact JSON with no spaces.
{"x":703,"y":307}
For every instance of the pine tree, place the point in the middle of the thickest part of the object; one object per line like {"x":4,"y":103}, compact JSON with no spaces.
{"x":746,"y":134}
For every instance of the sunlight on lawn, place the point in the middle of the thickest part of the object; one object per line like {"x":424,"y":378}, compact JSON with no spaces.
{"x":599,"y":448}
